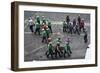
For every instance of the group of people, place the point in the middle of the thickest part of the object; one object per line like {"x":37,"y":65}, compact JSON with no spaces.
{"x":75,"y":26}
{"x":56,"y":51}
{"x":43,"y":27}
{"x":40,"y":26}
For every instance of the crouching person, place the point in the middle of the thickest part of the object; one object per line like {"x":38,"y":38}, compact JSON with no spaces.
{"x":67,"y":50}
{"x":50,"y":50}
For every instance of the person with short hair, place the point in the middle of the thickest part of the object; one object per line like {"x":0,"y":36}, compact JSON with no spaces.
{"x":44,"y":36}
{"x":64,"y":27}
{"x":67,"y":50}
{"x":50,"y":50}
{"x":37,"y":28}
{"x":30,"y":23}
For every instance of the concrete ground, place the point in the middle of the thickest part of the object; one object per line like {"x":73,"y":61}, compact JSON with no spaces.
{"x":35,"y":50}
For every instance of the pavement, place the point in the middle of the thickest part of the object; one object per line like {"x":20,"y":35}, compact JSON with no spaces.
{"x":34,"y":49}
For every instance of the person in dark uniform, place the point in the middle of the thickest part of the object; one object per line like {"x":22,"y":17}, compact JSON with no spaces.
{"x":47,"y":31}
{"x":79,"y":22}
{"x":43,"y":20}
{"x":67,"y":50}
{"x":82,"y":25}
{"x":74,"y":22}
{"x":85,"y":37}
{"x":68,"y":19}
{"x":70,"y":28}
{"x":49,"y":26}
{"x":44,"y":36}
{"x":77,"y":30}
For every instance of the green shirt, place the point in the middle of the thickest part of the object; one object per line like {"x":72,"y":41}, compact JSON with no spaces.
{"x":44,"y":33}
{"x":67,"y":47}
{"x":37,"y":25}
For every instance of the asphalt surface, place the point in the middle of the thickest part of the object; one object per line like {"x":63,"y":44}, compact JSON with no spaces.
{"x":34,"y":49}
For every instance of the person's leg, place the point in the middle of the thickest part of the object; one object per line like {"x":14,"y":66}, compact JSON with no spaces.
{"x":43,"y":39}
{"x":55,"y":53}
{"x":31,"y":28}
{"x":36,"y":30}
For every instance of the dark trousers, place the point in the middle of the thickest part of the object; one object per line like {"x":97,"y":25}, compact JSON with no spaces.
{"x":68,"y":52}
{"x":31,"y":28}
{"x":37,"y":30}
{"x":44,"y":39}
{"x":49,"y":53}
{"x":64,"y":29}
{"x":50,"y":28}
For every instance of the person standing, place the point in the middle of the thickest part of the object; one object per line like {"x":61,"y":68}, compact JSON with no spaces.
{"x":64,"y":27}
{"x":85,"y":37}
{"x":79,"y":22}
{"x":47,"y":32}
{"x":38,"y":19}
{"x":67,"y":19}
{"x":44,"y":36}
{"x":50,"y":50}
{"x":49,"y":26}
{"x":67,"y":50}
{"x":43,"y":20}
{"x":37,"y":28}
{"x":30,"y":23}
{"x":57,"y":50}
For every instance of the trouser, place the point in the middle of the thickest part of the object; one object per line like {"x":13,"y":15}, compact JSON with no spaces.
{"x":77,"y":31}
{"x":37,"y":30}
{"x":50,"y":28}
{"x":47,"y":35}
{"x":31,"y":28}
{"x":59,"y":52}
{"x":64,"y":29}
{"x":50,"y":53}
{"x":44,"y":39}
{"x":82,"y":28}
{"x":85,"y":40}
{"x":68,"y":52}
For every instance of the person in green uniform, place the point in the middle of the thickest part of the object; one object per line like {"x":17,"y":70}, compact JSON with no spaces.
{"x":38,"y":19}
{"x":64,"y":27}
{"x":50,"y":50}
{"x":43,"y":20}
{"x":37,"y":25}
{"x":49,"y":26}
{"x":67,"y":50}
{"x":47,"y":31}
{"x":44,"y":36}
